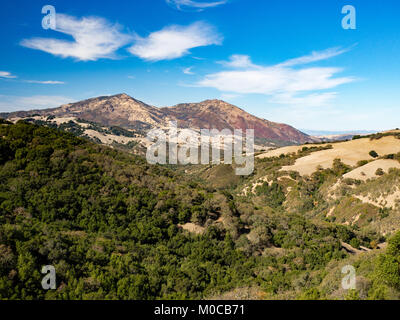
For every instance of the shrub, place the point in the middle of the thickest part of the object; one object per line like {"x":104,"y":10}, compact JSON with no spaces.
{"x":310,"y":294}
{"x":373,"y":154}
{"x":355,"y":243}
{"x":387,"y":270}
{"x":394,"y":246}
{"x":273,"y":194}
{"x":362,"y":163}
{"x":352,"y":295}
{"x":387,"y":267}
{"x":380,"y":172}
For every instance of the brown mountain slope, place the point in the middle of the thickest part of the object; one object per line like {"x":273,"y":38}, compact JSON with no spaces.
{"x":119,"y":110}
{"x":217,"y":114}
{"x":126,"y":112}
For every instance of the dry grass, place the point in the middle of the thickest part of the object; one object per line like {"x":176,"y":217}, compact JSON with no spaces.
{"x":287,"y":150}
{"x":109,"y":138}
{"x":368,"y":171}
{"x":193,"y":228}
{"x":349,"y":152}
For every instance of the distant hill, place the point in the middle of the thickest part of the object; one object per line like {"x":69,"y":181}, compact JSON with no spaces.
{"x":220,"y":115}
{"x":126,"y":112}
{"x":326,"y":136}
{"x":336,"y":133}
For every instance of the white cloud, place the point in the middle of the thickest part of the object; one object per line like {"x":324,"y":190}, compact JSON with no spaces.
{"x":308,"y":100}
{"x":14,"y":103}
{"x":44,"y":82}
{"x":238,"y":61}
{"x":282,"y":83}
{"x":95,"y":38}
{"x":197,"y":5}
{"x":314,"y":57}
{"x":188,"y":71}
{"x":175,"y":41}
{"x":7,"y":75}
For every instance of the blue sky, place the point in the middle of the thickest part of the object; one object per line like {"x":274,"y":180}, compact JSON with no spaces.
{"x":283,"y":60}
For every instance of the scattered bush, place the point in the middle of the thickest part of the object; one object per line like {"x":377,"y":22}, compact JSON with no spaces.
{"x":362,"y":163}
{"x":373,"y":154}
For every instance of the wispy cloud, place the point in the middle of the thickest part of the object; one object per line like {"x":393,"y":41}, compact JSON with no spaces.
{"x":283,"y":83}
{"x":15,"y":103}
{"x":314,"y":57}
{"x":238,"y":61}
{"x":94,"y":38}
{"x":7,"y":75}
{"x":44,"y":82}
{"x":188,"y":71}
{"x":175,"y":41}
{"x":197,"y":5}
{"x":309,"y":100}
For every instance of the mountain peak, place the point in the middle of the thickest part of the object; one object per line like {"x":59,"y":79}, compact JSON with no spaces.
{"x":204,"y":103}
{"x":117,"y":110}
{"x":218,"y":114}
{"x":124,"y":111}
{"x":214,"y":101}
{"x":221,"y":105}
{"x":122,"y":95}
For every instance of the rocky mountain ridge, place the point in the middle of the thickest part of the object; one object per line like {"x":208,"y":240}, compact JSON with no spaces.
{"x":126,"y":112}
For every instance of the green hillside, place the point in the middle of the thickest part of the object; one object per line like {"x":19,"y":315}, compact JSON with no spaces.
{"x":111,"y":225}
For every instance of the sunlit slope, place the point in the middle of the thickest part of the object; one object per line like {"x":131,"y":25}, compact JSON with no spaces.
{"x":349,"y":152}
